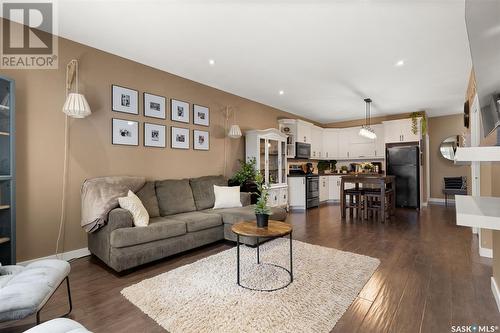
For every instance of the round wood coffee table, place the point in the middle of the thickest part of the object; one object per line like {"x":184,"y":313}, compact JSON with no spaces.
{"x":275,"y":229}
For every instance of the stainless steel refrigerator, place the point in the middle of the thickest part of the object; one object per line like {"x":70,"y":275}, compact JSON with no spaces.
{"x":404,"y":163}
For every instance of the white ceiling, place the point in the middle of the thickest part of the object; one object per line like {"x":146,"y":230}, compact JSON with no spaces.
{"x":326,"y":55}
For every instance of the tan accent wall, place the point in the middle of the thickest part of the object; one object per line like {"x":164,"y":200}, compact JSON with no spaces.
{"x":439,"y":129}
{"x":40,"y":95}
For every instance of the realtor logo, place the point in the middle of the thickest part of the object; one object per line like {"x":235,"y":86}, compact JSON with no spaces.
{"x":28,"y":37}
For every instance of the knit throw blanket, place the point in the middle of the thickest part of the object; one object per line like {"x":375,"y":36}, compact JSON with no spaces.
{"x":100,"y":196}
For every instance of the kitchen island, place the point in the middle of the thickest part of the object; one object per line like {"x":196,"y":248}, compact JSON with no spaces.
{"x":371,"y":183}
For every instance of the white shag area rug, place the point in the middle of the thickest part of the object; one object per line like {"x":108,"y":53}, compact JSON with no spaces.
{"x":204,"y":297}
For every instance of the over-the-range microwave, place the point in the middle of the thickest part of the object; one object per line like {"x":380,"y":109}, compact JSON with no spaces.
{"x":302,"y":150}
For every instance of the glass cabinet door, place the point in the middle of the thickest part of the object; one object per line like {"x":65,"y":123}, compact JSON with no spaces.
{"x":262,"y":157}
{"x":5,"y":162}
{"x":283,"y":164}
{"x":274,"y":161}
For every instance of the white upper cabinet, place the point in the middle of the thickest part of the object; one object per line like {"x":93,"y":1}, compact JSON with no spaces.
{"x":316,"y":142}
{"x":400,"y":131}
{"x":380,"y":140}
{"x":330,"y":143}
{"x":304,"y":132}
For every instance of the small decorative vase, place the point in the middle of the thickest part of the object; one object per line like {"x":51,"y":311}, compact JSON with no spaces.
{"x":262,"y":220}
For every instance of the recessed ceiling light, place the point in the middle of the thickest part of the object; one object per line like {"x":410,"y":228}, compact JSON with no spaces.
{"x":211,"y":62}
{"x":281,"y":92}
{"x":399,"y":63}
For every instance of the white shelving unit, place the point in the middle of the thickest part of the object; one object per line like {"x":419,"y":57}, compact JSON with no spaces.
{"x":478,"y":212}
{"x":477,"y":154}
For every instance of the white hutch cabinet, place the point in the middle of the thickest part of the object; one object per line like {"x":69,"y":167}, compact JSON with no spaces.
{"x":268,"y":147}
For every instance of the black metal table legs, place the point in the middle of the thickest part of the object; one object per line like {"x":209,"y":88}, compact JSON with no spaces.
{"x":289,"y":271}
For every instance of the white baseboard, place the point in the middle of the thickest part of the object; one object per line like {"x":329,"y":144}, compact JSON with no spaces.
{"x":496,"y":292}
{"x":440,"y":201}
{"x":484,"y":252}
{"x":64,"y":256}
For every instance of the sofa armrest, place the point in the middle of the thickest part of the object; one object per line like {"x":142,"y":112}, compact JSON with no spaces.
{"x":119,"y":218}
{"x":245,"y":198}
{"x":99,"y":242}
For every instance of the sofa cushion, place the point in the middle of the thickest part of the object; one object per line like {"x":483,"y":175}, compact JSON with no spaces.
{"x":174,"y":196}
{"x":158,"y":228}
{"x":147,"y":194}
{"x":245,"y":213}
{"x":203,"y":190}
{"x":198,"y":221}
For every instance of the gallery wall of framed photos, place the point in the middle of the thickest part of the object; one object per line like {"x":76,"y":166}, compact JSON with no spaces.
{"x":126,"y":132}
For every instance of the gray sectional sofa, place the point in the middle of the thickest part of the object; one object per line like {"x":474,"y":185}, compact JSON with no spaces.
{"x":181,"y":218}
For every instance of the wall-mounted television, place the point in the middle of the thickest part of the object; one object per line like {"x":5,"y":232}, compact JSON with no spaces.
{"x":482,"y":19}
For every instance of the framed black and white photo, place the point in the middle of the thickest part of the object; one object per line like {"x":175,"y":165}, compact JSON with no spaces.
{"x":125,"y":132}
{"x":154,"y":135}
{"x":201,"y":140}
{"x":179,"y":111}
{"x":201,"y":115}
{"x":125,"y":100}
{"x":154,"y":106}
{"x":180,"y":138}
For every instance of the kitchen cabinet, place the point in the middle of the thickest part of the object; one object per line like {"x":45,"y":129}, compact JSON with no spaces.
{"x":380,"y":140}
{"x":268,"y":147}
{"x":324,"y":188}
{"x":334,"y":188}
{"x":330,"y":143}
{"x":400,"y":131}
{"x":297,"y":192}
{"x":316,"y":142}
{"x":304,"y":132}
{"x":343,"y":146}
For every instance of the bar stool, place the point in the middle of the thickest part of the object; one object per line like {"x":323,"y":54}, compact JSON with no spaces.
{"x":356,"y":202}
{"x":373,"y":206}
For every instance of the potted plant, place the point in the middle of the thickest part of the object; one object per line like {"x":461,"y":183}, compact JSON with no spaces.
{"x":245,"y":177}
{"x":343,"y":169}
{"x":262,"y":211}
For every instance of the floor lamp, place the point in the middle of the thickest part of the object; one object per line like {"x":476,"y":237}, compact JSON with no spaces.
{"x":75,"y":106}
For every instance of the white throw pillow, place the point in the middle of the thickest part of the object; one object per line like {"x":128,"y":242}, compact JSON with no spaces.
{"x":227,"y":196}
{"x":133,"y":204}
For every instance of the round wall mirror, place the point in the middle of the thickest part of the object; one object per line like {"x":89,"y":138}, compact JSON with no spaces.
{"x":449,"y":146}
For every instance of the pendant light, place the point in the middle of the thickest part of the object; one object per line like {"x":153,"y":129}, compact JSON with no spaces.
{"x":76,"y":106}
{"x":366,"y":131}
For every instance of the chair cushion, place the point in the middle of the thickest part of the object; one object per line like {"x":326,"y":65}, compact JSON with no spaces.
{"x":245,"y":213}
{"x":198,"y":221}
{"x":58,"y":325}
{"x":158,"y":228}
{"x":30,"y":288}
{"x":174,"y":196}
{"x":203,"y":190}
{"x":147,"y":194}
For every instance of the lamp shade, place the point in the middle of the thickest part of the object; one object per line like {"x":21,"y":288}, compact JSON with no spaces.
{"x":234,"y":132}
{"x":76,"y":106}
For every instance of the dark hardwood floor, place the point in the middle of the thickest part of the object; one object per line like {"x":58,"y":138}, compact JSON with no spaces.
{"x":430,"y":276}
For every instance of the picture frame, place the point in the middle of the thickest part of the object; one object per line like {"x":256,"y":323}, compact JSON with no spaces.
{"x":179,"y":138}
{"x":154,"y":135}
{"x":201,"y":115}
{"x":179,"y":111}
{"x":124,"y":100}
{"x":154,"y":106}
{"x":124,"y":132}
{"x":201,"y":140}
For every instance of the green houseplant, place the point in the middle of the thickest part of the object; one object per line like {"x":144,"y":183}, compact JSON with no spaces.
{"x":246,"y":173}
{"x":414,"y":122}
{"x":262,"y":211}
